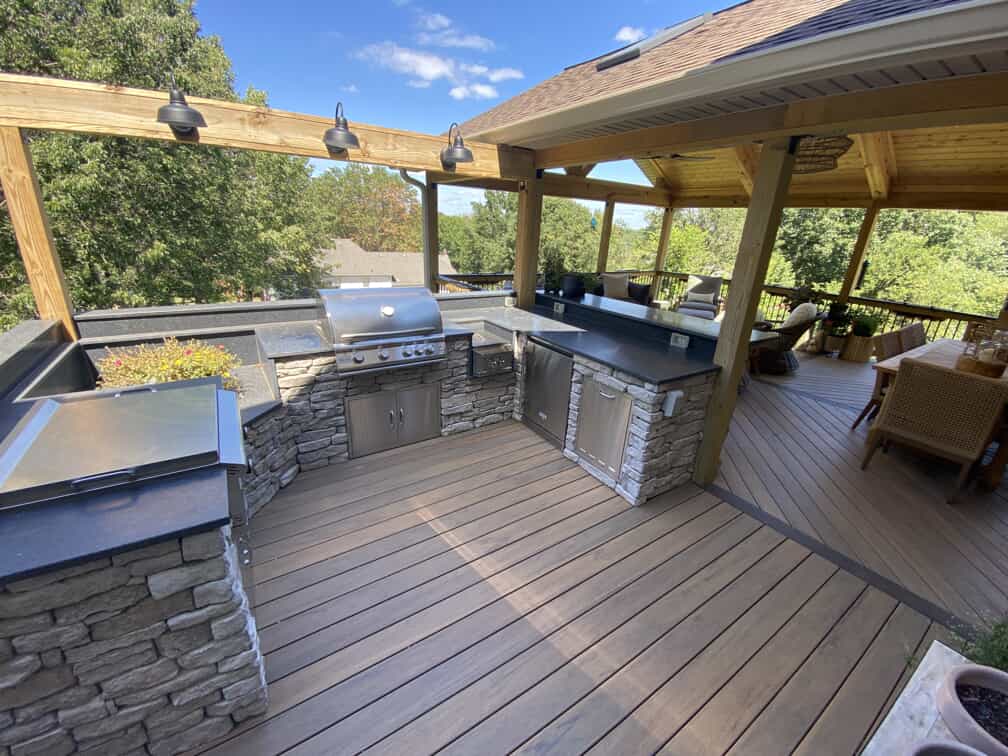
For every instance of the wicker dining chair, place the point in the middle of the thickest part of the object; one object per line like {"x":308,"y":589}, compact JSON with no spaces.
{"x":942,"y":411}
{"x":912,"y":336}
{"x":885,"y":345}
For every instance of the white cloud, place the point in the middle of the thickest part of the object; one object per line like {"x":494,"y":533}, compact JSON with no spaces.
{"x":630,"y":34}
{"x":418,"y":84}
{"x":455,"y":38}
{"x":350,"y":88}
{"x":414,"y":63}
{"x":434,"y":21}
{"x":475,"y":70}
{"x":478,"y":91}
{"x":503,"y":74}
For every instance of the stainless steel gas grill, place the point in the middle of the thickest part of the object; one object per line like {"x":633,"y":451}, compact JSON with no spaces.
{"x":378,"y":329}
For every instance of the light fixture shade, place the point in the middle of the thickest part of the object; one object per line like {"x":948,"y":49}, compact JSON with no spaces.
{"x":178,"y":114}
{"x":339,"y":138}
{"x":456,"y":151}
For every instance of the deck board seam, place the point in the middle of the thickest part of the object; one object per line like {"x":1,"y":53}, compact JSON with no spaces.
{"x":920,"y":604}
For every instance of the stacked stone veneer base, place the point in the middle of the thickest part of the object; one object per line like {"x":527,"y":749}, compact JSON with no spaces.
{"x":152,"y":650}
{"x":309,"y":430}
{"x":661,"y":451}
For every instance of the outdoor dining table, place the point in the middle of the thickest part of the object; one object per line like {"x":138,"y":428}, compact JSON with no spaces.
{"x":945,"y":352}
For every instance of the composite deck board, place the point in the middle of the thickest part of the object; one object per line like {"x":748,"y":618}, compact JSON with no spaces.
{"x":524,"y":606}
{"x":894,"y":517}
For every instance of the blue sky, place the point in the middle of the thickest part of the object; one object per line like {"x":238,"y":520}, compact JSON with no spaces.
{"x":419,"y":64}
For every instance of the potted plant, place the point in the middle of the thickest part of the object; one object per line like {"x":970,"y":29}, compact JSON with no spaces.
{"x":973,"y":701}
{"x":836,"y":326}
{"x":552,"y":274}
{"x":858,"y":346}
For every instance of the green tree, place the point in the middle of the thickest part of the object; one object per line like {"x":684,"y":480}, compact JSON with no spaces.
{"x":818,"y":243}
{"x":140,"y":222}
{"x":370,"y":205}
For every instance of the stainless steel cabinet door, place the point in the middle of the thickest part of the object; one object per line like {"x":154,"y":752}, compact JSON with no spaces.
{"x":373,"y":420}
{"x":602,"y":426}
{"x":547,"y":390}
{"x":419,"y":413}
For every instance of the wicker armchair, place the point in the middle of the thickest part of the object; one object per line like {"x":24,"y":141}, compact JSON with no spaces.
{"x":886,"y":345}
{"x":944,"y":412}
{"x":912,"y":336}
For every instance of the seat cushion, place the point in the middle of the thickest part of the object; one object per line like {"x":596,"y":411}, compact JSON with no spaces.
{"x":705,"y":314}
{"x":804,"y":312}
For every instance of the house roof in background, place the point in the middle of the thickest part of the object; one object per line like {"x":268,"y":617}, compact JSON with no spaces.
{"x":746,"y":28}
{"x":346,"y":259}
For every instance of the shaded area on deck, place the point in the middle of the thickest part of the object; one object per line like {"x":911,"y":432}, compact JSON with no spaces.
{"x":481,"y":593}
{"x":791,"y":452}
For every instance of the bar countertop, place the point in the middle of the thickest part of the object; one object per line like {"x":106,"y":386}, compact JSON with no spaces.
{"x":61,"y":532}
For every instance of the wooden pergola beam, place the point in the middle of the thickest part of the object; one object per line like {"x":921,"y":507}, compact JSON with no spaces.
{"x":759,"y":233}
{"x":856,"y":263}
{"x":945,"y":102}
{"x":571,"y":187}
{"x":580,"y":171}
{"x":23,"y":197}
{"x":605,"y":236}
{"x":879,"y":158}
{"x":526,"y":267}
{"x":84,"y":107}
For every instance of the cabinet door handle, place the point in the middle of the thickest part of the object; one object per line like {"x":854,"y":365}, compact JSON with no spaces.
{"x":402,"y":415}
{"x":391,"y":419}
{"x":604,"y":395}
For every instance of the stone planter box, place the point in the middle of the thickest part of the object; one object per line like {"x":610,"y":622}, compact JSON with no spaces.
{"x":857,"y":349}
{"x":834,"y":343}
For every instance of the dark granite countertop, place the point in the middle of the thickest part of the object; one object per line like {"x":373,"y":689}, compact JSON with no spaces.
{"x":291,"y":339}
{"x":673,"y":321}
{"x":648,"y":360}
{"x":78,"y":528}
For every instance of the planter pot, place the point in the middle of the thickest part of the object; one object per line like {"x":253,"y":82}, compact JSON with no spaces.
{"x":857,"y":349}
{"x":571,"y":286}
{"x":958,"y":720}
{"x":944,"y":748}
{"x":835,"y":343}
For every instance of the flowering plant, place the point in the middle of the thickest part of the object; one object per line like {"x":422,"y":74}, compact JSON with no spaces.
{"x":173,"y":360}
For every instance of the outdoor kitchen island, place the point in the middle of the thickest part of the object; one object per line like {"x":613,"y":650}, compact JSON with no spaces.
{"x":124,"y":620}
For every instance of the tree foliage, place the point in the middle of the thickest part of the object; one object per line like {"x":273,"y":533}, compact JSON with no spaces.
{"x":140,"y":222}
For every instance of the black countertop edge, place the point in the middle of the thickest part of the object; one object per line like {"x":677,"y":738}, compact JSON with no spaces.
{"x":669,"y":320}
{"x":63,"y":532}
{"x":646,"y":360}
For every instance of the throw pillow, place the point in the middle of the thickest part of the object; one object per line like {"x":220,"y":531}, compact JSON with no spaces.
{"x":696,"y":296}
{"x":616,"y":285}
{"x":804,"y":312}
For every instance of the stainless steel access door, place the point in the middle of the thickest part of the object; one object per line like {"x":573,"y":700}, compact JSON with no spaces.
{"x":547,"y":390}
{"x":602,"y":426}
{"x":419,"y":413}
{"x":373,"y":420}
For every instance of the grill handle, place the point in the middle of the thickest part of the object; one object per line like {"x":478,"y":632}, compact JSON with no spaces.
{"x":391,"y":419}
{"x":402,"y":416}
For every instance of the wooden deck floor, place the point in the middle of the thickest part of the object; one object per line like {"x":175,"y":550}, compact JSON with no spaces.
{"x":791,"y":452}
{"x":481,"y":594}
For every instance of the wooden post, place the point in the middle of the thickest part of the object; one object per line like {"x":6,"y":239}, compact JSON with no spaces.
{"x":530,"y":202}
{"x":773,"y":175}
{"x":31,"y":227}
{"x":431,"y":238}
{"x":663,"y":237}
{"x":858,"y":255}
{"x":603,"y":249}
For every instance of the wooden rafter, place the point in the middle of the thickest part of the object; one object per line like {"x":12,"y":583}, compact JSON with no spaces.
{"x":746,"y":158}
{"x":961,"y":100}
{"x":856,"y":263}
{"x":60,"y":105}
{"x":581,"y":171}
{"x":879,"y":158}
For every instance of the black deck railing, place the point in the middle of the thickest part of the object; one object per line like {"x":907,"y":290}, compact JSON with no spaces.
{"x":775,"y":301}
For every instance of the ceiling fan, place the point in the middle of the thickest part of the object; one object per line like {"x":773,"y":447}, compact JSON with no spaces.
{"x":687,"y":158}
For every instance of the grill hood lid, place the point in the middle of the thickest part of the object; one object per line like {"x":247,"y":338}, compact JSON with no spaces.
{"x":353,"y":315}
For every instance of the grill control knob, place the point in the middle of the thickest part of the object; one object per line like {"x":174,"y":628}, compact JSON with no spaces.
{"x":383,"y":354}
{"x":430,"y":349}
{"x":407,"y":351}
{"x":358,"y":358}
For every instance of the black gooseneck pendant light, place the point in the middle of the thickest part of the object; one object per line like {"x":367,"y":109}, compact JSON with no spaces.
{"x":339,"y":138}
{"x":456,"y":151}
{"x":178,"y":114}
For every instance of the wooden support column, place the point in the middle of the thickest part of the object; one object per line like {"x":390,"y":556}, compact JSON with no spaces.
{"x":663,"y":237}
{"x":31,"y":227}
{"x":858,"y":255}
{"x":770,"y":189}
{"x":431,"y":239}
{"x":530,"y":202}
{"x":603,"y":249}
